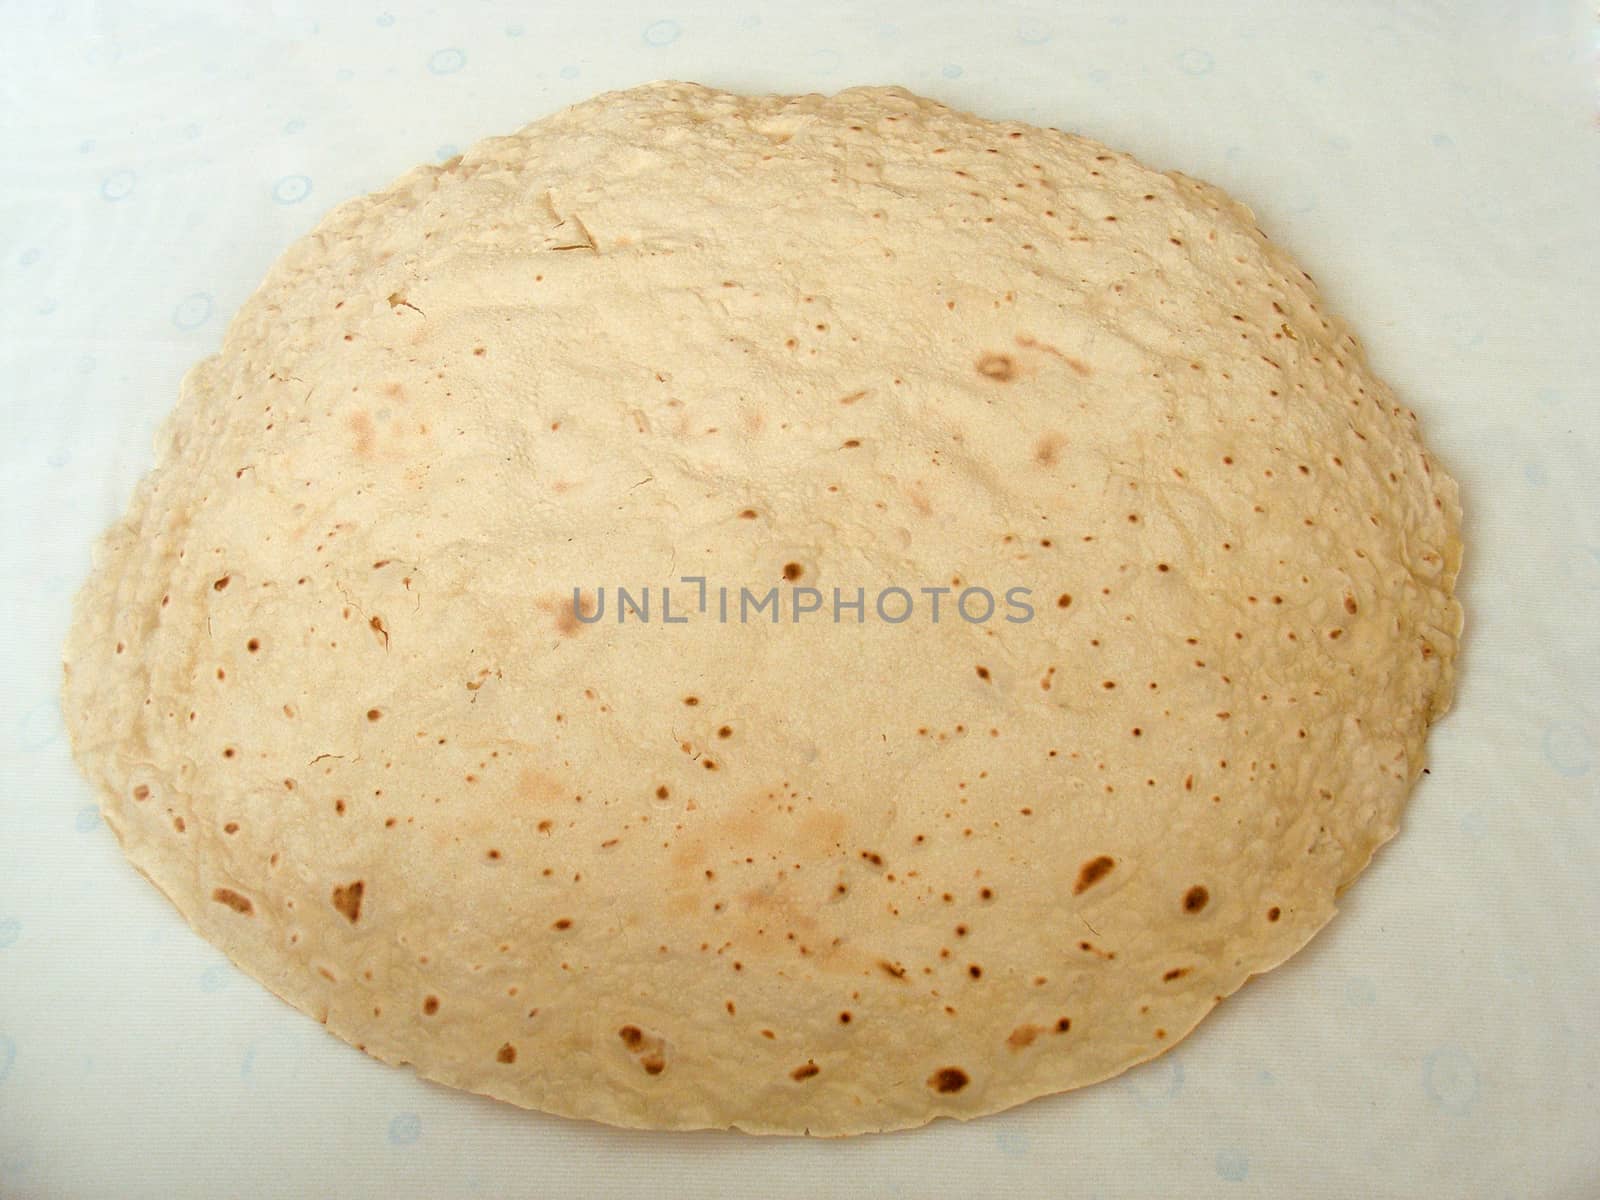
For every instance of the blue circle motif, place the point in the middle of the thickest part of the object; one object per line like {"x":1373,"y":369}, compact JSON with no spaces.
{"x":118,"y":185}
{"x":405,"y":1129}
{"x":1033,"y":33}
{"x":1450,"y":1080}
{"x":291,"y":189}
{"x":193,"y":311}
{"x":1568,"y":749}
{"x":1232,"y":1165}
{"x":662,"y":33}
{"x":448,"y":61}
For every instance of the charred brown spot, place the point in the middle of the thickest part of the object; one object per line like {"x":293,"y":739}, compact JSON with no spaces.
{"x":892,"y":969}
{"x":430,"y":1005}
{"x":347,"y":900}
{"x":1064,"y":1024}
{"x":563,"y":923}
{"x":1092,"y":872}
{"x":233,"y":900}
{"x":506,"y":1054}
{"x":1274,"y":913}
{"x":653,"y":1064}
{"x":805,"y":1071}
{"x":1063,"y":601}
{"x":998,"y":367}
{"x":1175,"y":973}
{"x":1195,"y":899}
{"x":983,"y":673}
{"x":632,"y":1036}
{"x":948,"y":1080}
{"x":793,"y":571}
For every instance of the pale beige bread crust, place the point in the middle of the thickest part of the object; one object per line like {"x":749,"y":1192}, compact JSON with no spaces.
{"x":806,"y":877}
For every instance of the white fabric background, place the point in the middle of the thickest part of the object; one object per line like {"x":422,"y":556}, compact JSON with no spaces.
{"x":1434,"y":165}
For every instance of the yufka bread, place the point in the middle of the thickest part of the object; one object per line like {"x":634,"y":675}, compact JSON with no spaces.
{"x":832,"y":865}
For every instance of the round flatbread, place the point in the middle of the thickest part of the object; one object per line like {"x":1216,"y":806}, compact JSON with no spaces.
{"x":845,"y":862}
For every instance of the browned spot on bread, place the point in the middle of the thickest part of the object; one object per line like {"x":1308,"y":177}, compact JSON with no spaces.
{"x":567,"y":623}
{"x":998,"y":367}
{"x":233,"y":900}
{"x":1023,"y":1036}
{"x":347,"y":900}
{"x":1175,"y":973}
{"x":1274,"y":913}
{"x":948,"y":1080}
{"x":506,"y":1054}
{"x":793,"y":571}
{"x":430,"y":1005}
{"x":1048,"y":449}
{"x":365,"y":434}
{"x":1028,"y":343}
{"x":893,"y":969}
{"x":1092,"y":872}
{"x":805,"y":1071}
{"x":1195,"y":899}
{"x":649,"y":1049}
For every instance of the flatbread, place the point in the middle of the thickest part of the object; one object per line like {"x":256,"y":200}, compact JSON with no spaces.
{"x":330,"y":679}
